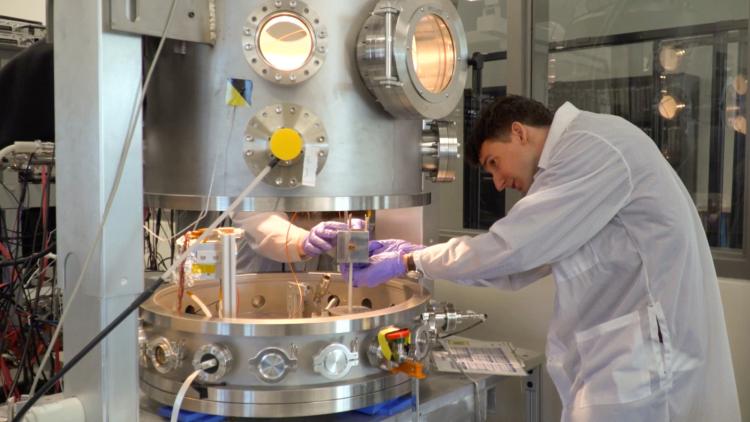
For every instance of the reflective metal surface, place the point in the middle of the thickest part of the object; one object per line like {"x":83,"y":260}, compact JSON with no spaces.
{"x":282,"y":366}
{"x":256,"y":149}
{"x":285,"y":42}
{"x":341,"y":203}
{"x":192,"y":137}
{"x":440,"y":150}
{"x":413,"y":57}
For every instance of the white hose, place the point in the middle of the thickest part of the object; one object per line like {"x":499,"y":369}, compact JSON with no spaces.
{"x":6,"y":151}
{"x":200,"y":304}
{"x":167,"y":274}
{"x":181,"y":395}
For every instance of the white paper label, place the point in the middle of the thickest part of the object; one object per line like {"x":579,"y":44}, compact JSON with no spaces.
{"x":310,"y":165}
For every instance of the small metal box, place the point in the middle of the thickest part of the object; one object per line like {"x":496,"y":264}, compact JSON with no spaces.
{"x":351,"y":247}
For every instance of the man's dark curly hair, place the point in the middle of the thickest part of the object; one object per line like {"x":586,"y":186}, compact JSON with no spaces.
{"x":496,"y":119}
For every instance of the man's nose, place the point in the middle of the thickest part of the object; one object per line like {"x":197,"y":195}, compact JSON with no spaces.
{"x":499,"y":183}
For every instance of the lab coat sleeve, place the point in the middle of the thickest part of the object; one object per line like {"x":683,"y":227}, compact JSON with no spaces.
{"x":585,"y":184}
{"x":266,"y":234}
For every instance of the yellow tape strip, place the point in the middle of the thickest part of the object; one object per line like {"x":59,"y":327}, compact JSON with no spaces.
{"x":387,"y":353}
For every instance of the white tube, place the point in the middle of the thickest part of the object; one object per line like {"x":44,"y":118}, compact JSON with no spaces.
{"x":181,"y":395}
{"x":66,"y":410}
{"x":228,"y":275}
{"x":199,"y":302}
{"x":6,"y":151}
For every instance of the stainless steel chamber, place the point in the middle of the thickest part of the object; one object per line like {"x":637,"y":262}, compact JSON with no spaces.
{"x":349,"y":81}
{"x":270,"y":365}
{"x":348,"y":96}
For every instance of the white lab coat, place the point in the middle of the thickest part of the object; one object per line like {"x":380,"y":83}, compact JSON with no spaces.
{"x":638,"y":332}
{"x":265,"y":242}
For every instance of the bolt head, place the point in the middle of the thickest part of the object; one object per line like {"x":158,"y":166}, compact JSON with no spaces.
{"x":248,"y":46}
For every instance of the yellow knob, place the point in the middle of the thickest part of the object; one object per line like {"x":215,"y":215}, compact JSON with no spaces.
{"x":286,"y":144}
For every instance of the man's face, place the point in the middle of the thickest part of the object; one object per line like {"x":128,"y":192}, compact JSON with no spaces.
{"x":512,"y":161}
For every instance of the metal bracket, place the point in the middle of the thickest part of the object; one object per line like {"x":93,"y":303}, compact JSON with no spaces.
{"x":388,"y":11}
{"x":194,"y":20}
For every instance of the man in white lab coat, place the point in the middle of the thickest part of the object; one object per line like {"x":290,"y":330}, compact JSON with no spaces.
{"x":638,"y":332}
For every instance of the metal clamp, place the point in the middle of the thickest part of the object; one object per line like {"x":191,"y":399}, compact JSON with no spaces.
{"x":440,"y":150}
{"x":423,"y":338}
{"x":335,"y":361}
{"x":143,"y":357}
{"x":272,"y":364}
{"x":165,"y":355}
{"x":220,"y":353}
{"x":443,"y":317}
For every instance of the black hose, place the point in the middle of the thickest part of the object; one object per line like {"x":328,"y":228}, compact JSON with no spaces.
{"x":31,"y":257}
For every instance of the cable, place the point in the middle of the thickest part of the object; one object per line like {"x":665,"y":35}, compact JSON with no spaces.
{"x":204,"y":210}
{"x":28,"y":258}
{"x":181,"y":395}
{"x":291,"y":268}
{"x":142,"y":297}
{"x":462,"y":330}
{"x":112,"y":193}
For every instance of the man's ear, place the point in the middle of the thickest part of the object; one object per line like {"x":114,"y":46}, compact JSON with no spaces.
{"x":519,"y":130}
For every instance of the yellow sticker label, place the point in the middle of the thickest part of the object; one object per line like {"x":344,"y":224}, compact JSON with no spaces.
{"x":203,"y":268}
{"x":239,"y":92}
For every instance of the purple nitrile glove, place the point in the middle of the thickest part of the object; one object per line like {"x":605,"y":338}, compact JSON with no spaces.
{"x":390,"y":245}
{"x":322,"y":237}
{"x":383,"y":267}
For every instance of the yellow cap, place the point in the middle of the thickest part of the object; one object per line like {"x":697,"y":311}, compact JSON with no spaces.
{"x":286,"y":144}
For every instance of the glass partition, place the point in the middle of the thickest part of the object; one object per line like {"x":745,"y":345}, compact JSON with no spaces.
{"x":677,"y":70}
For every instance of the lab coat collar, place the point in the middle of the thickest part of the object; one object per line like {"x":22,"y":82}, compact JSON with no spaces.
{"x":563,"y":117}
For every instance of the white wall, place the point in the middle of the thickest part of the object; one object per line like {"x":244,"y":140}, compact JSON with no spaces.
{"x":34,"y":10}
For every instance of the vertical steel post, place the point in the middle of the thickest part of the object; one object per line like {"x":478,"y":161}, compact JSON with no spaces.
{"x":228,"y":275}
{"x":97,"y":77}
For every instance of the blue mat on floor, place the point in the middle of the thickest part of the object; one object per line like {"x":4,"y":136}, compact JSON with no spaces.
{"x":187,"y":416}
{"x":388,"y":408}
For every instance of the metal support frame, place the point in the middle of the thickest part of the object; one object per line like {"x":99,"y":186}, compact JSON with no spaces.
{"x":97,"y":76}
{"x":533,"y":389}
{"x":194,"y":20}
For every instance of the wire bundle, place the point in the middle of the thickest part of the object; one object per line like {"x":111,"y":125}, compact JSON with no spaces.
{"x":29,"y":298}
